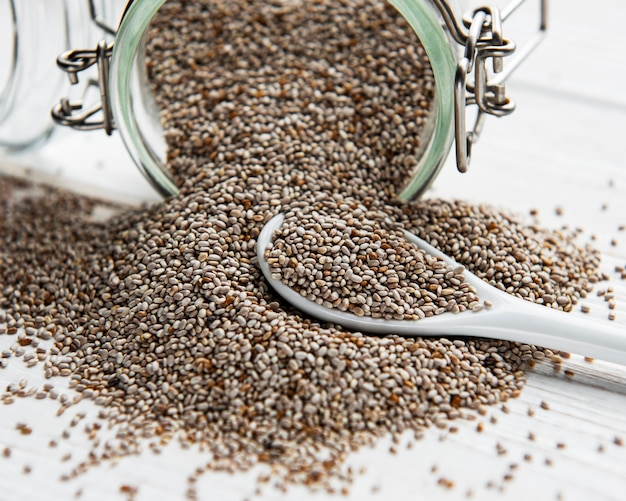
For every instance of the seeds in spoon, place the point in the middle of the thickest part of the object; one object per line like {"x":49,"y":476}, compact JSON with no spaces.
{"x":343,"y":256}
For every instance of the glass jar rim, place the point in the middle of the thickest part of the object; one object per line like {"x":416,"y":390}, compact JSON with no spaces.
{"x":128,"y":42}
{"x":420,"y":15}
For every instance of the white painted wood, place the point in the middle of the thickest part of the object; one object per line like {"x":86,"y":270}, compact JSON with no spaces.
{"x":563,"y":147}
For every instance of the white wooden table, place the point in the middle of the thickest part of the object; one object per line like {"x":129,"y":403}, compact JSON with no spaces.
{"x":563,"y":147}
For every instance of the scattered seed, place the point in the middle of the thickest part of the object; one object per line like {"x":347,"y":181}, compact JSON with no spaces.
{"x":446,"y":483}
{"x":23,"y":429}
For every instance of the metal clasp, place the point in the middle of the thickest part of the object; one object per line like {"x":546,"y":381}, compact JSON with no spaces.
{"x":72,"y":113}
{"x":481,"y":36}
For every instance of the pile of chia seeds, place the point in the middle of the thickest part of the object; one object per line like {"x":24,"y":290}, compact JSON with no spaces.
{"x":161,"y":315}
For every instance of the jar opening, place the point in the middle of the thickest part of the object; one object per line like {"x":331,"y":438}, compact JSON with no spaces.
{"x":420,"y":150}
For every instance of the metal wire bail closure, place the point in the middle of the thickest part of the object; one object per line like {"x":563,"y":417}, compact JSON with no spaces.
{"x":481,"y":35}
{"x":72,"y":113}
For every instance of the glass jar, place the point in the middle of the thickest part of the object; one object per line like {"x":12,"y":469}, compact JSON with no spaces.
{"x":458,"y":49}
{"x":31,"y":38}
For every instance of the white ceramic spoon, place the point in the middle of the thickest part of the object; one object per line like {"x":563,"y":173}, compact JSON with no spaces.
{"x":508,"y":318}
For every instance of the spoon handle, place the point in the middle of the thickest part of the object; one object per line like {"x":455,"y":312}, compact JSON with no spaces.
{"x":524,"y":322}
{"x":514,"y":319}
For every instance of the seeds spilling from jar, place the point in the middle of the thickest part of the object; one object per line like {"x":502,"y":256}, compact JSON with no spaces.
{"x":160,"y":314}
